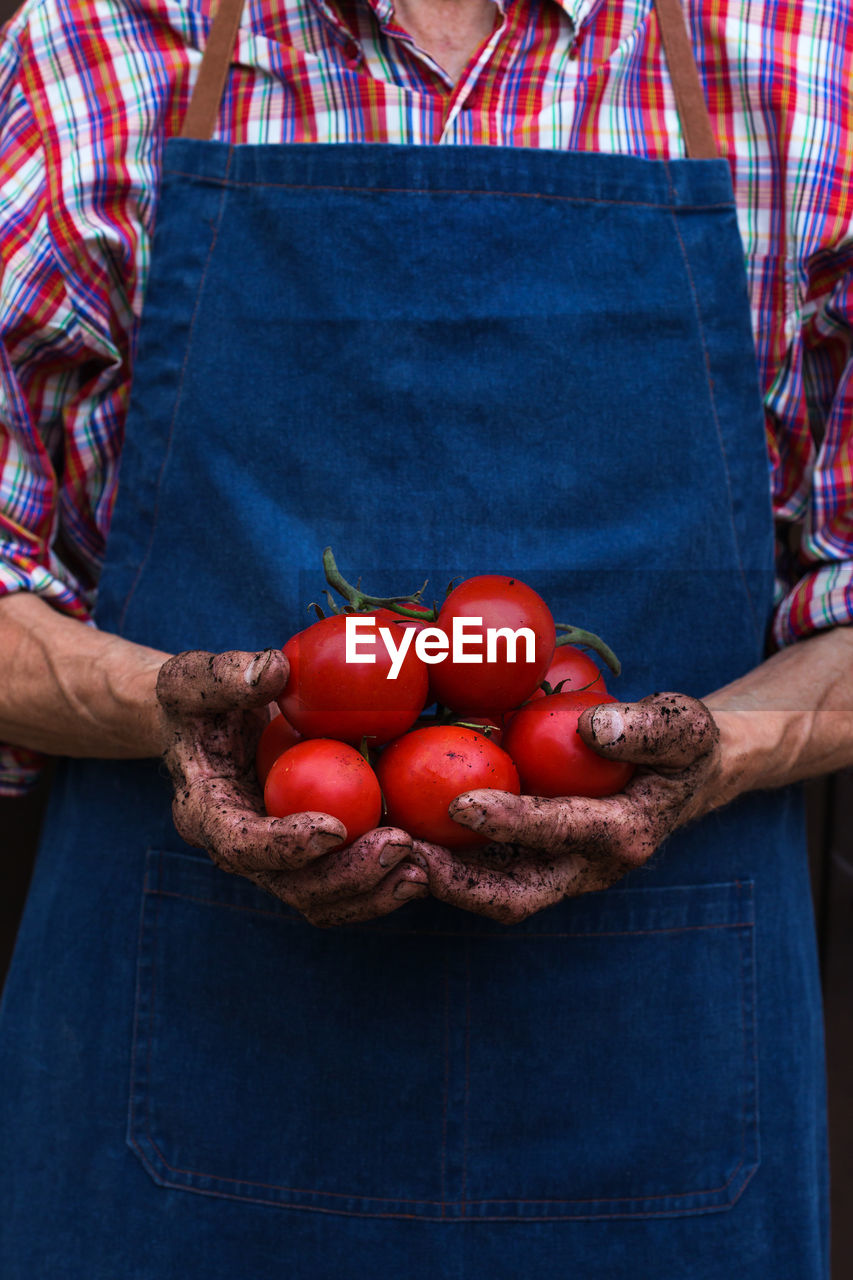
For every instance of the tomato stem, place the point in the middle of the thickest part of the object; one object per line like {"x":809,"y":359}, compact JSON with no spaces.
{"x":361,"y":600}
{"x":576,"y":635}
{"x":550,"y":690}
{"x":332,"y":602}
{"x":487,"y":730}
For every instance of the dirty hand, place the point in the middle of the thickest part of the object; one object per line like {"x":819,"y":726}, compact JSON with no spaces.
{"x":546,"y":850}
{"x":214,"y":708}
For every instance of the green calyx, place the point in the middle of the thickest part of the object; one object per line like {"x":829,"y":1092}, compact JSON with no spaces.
{"x":360,"y":601}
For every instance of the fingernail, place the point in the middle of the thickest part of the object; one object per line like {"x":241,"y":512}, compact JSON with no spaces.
{"x":409,"y":889}
{"x":391,"y":854}
{"x":255,"y":670}
{"x":469,"y":814}
{"x":607,"y":726}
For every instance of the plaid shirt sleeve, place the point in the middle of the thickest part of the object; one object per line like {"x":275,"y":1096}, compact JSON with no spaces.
{"x":66,"y":332}
{"x":816,"y":563}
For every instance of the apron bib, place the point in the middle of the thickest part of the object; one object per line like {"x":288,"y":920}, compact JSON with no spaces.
{"x":441,"y":362}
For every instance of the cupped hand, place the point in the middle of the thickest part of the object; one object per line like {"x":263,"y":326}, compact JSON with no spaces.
{"x":214,"y":708}
{"x":544,"y":850}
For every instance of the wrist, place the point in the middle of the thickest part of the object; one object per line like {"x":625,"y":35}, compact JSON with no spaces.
{"x":760,"y":748}
{"x":73,"y":690}
{"x":132,"y":688}
{"x":735,"y":766}
{"x":788,"y":719}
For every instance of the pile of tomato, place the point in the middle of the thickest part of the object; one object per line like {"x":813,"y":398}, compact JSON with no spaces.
{"x":370,"y":749}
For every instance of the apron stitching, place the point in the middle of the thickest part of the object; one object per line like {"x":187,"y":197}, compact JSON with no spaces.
{"x":455,"y":191}
{"x":446,"y":1100}
{"x":436,"y":933}
{"x":151,"y":1007}
{"x":522,"y":1219}
{"x":710,"y":384}
{"x":359,"y":1195}
{"x":747,"y":944}
{"x":168,"y":448}
{"x":137,"y":1020}
{"x":669,"y":183}
{"x":464,"y":1204}
{"x":751,"y":971}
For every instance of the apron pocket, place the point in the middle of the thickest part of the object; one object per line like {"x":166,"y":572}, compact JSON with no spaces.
{"x":281,"y":1063}
{"x":596,"y":1061}
{"x":618,"y":1078}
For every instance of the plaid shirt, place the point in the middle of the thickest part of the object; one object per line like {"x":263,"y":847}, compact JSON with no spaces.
{"x":90,"y":88}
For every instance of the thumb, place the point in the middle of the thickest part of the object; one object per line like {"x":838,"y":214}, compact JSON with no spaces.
{"x":665,"y":730}
{"x":198,"y":682}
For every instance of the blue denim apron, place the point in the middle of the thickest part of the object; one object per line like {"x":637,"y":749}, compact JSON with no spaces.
{"x":440,"y":362}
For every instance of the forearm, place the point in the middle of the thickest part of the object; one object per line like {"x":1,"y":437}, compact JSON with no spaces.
{"x":788,"y":719}
{"x":69,"y":689}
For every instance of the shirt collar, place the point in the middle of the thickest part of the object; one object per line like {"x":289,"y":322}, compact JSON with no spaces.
{"x":384,"y":10}
{"x":577,"y":10}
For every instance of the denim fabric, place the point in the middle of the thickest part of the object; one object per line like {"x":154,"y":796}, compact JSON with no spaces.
{"x":439,"y":362}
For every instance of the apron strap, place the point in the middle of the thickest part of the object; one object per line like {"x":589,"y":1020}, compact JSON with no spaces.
{"x":699,"y":139}
{"x":203,"y":111}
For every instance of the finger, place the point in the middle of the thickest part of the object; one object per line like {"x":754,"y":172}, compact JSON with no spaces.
{"x":490,"y":883}
{"x":404,"y":884}
{"x":615,"y":834}
{"x":257,"y":843}
{"x":219,"y":816}
{"x":548,"y":825}
{"x":198,"y":682}
{"x":355,"y":870}
{"x":665,"y":730}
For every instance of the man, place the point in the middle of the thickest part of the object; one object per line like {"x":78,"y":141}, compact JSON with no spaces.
{"x":537,"y":354}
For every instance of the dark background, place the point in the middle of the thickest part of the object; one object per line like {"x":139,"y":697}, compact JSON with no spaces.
{"x":831,"y":853}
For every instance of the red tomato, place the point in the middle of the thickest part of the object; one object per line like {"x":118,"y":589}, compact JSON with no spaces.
{"x":571,"y":668}
{"x":328,"y":697}
{"x":329,"y":777}
{"x":423,"y":771}
{"x":551,"y":756}
{"x":575,"y":669}
{"x":276,"y":738}
{"x":492,"y":687}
